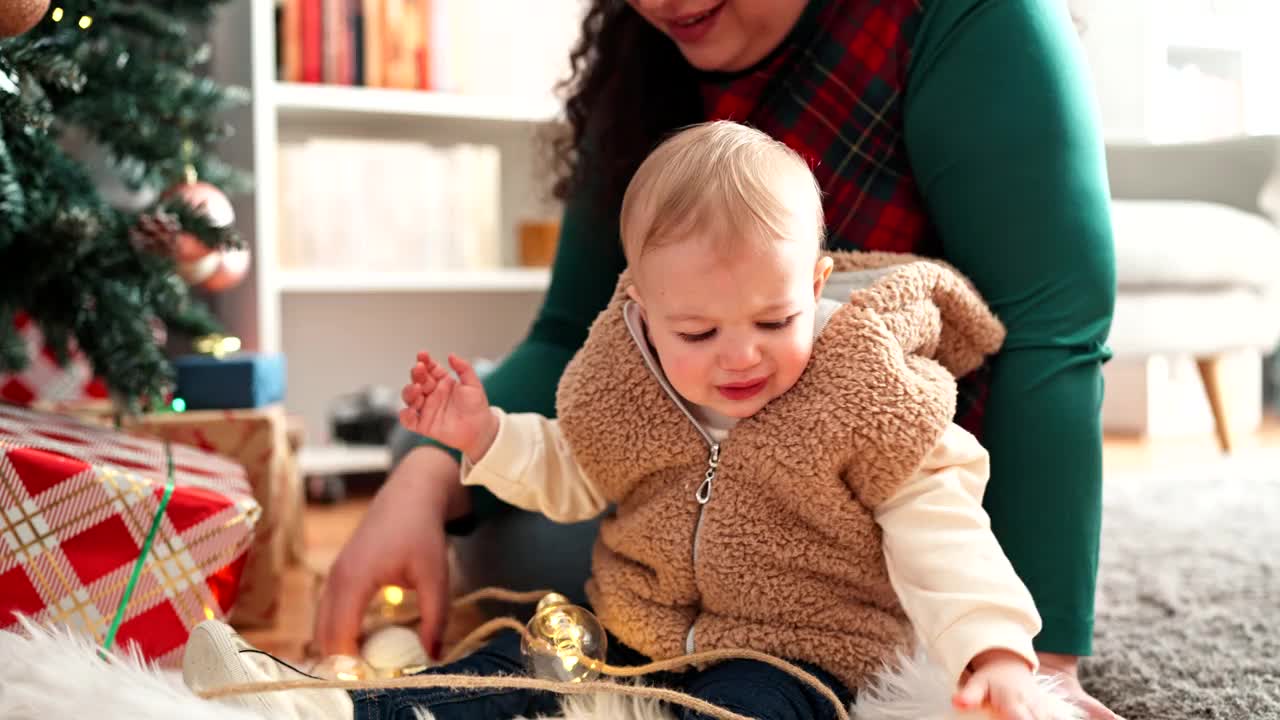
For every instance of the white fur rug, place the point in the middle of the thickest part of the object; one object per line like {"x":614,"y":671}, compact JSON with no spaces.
{"x":48,"y":673}
{"x":53,"y":673}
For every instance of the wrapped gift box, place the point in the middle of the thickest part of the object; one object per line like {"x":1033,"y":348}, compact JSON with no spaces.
{"x":77,"y":503}
{"x":258,"y":440}
{"x":44,"y":380}
{"x":240,"y":380}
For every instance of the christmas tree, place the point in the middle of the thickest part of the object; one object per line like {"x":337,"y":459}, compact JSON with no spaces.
{"x":114,"y":87}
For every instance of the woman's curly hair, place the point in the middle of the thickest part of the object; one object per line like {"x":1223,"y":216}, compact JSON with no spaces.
{"x":629,"y":87}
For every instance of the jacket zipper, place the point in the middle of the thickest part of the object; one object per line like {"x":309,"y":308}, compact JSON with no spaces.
{"x":703,"y":496}
{"x":703,"y":493}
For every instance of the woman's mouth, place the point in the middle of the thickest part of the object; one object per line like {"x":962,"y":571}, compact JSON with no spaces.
{"x":692,"y":28}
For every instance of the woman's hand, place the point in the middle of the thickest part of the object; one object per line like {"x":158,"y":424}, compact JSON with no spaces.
{"x":1064,"y":668}
{"x":400,"y":541}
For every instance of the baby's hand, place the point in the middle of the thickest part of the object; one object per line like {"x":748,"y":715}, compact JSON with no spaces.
{"x":452,"y":411}
{"x":1002,"y":683}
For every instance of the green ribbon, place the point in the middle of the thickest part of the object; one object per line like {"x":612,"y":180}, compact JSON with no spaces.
{"x":146,"y":550}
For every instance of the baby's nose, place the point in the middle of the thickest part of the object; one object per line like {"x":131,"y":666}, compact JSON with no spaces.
{"x":740,"y":357}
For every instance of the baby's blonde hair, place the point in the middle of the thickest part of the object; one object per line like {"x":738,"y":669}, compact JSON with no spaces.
{"x":723,"y":178}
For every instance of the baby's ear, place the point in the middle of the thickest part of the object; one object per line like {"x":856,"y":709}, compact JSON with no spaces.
{"x":634,"y":294}
{"x":821,"y":273}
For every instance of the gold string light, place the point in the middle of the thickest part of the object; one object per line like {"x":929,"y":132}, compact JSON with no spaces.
{"x":217,"y":345}
{"x":565,"y":642}
{"x":58,"y":13}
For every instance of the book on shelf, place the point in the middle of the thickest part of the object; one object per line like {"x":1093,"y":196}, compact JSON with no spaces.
{"x":504,"y":47}
{"x":388,"y":205}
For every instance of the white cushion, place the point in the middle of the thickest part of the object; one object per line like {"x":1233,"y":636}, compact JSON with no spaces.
{"x":1174,"y":244}
{"x":1269,"y":198}
{"x":1199,"y":323}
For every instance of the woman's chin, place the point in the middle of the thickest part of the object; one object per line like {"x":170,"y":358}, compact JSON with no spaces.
{"x":713,"y":57}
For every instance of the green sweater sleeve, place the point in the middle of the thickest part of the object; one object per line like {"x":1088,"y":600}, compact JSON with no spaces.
{"x":1003,"y":137}
{"x":588,"y":261}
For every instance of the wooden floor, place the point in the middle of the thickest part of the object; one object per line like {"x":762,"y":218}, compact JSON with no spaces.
{"x":329,"y":526}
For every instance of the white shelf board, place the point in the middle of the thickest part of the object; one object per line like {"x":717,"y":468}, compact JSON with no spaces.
{"x":1209,"y":34}
{"x":338,"y":281}
{"x":338,"y":459}
{"x":303,"y":101}
{"x":1208,"y":43}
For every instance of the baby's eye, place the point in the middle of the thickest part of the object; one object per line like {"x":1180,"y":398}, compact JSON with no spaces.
{"x":777,"y":325}
{"x":697,"y":337}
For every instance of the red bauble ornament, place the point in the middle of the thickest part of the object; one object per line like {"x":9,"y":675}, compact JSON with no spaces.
{"x":19,"y":16}
{"x":187,"y":247}
{"x":212,"y":203}
{"x":197,"y":271}
{"x":233,"y":265}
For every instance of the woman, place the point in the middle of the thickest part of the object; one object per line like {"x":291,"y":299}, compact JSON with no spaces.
{"x":960,"y":129}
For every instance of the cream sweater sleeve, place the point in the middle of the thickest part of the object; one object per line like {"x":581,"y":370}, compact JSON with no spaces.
{"x":955,"y":583}
{"x":530,"y":466}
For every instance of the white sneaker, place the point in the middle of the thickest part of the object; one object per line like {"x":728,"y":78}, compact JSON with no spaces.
{"x":216,"y":656}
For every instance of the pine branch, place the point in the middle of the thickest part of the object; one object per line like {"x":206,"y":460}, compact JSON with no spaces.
{"x":230,"y":179}
{"x":169,"y":40}
{"x":49,"y":62}
{"x":114,"y":334}
{"x":195,"y":12}
{"x":13,"y":349}
{"x":156,"y":126}
{"x":13,"y":203}
{"x":130,"y":83}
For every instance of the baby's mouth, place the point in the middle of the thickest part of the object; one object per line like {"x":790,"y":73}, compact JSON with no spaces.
{"x":743,"y":390}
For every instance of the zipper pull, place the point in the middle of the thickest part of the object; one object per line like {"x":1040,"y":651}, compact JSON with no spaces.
{"x":704,"y":490}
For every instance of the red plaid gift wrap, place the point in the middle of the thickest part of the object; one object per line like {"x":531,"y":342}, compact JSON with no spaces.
{"x":77,"y":503}
{"x":257,"y":438}
{"x":44,"y":380}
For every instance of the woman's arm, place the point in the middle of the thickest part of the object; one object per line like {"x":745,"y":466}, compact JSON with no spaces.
{"x":1003,"y":136}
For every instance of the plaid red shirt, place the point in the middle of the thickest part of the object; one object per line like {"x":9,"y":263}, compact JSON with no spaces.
{"x":833,"y":92}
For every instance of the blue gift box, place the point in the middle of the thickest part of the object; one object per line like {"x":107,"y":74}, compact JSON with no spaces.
{"x":241,"y":380}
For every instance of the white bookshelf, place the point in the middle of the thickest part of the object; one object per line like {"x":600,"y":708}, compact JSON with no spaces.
{"x":343,"y":329}
{"x":299,"y":103}
{"x":338,"y":459}
{"x":488,"y":281}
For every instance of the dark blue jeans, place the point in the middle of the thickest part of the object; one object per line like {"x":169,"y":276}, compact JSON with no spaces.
{"x":746,"y":687}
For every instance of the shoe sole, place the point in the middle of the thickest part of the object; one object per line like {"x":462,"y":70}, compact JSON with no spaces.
{"x":212,"y":660}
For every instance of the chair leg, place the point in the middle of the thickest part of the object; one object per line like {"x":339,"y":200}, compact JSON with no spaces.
{"x":1210,"y":374}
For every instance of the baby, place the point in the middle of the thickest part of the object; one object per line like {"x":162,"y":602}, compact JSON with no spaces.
{"x":779,"y":469}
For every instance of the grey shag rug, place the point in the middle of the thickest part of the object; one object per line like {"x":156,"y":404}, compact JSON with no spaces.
{"x":1188,"y":616}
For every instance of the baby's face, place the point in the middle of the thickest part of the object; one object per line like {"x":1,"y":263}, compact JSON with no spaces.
{"x":731,"y":333}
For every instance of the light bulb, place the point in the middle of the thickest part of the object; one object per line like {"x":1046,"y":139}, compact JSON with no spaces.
{"x":550,"y":600}
{"x":391,"y":649}
{"x":565,"y":642}
{"x":343,"y":667}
